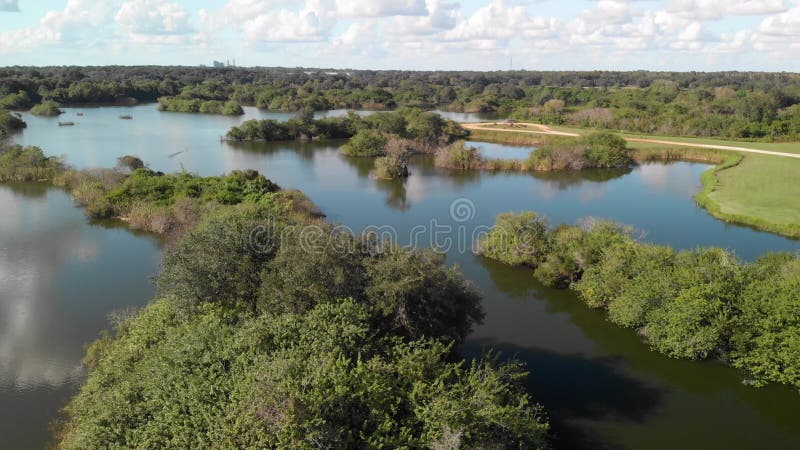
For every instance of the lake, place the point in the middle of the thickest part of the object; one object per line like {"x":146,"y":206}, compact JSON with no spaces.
{"x":603,"y":388}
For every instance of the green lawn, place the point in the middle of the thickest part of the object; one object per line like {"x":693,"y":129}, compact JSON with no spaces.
{"x":762,"y":187}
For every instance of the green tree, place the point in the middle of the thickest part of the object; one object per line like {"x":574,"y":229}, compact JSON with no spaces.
{"x":519,"y":239}
{"x":221,"y":261}
{"x":366,"y":143}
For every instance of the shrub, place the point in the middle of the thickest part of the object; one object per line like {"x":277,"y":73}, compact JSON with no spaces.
{"x":766,"y":335}
{"x":395,"y":163}
{"x":458,"y":156}
{"x":324,"y":378}
{"x":598,"y":150}
{"x":607,"y":150}
{"x":176,"y":104}
{"x":366,"y":143}
{"x":46,"y":108}
{"x":517,"y":239}
{"x":19,"y":163}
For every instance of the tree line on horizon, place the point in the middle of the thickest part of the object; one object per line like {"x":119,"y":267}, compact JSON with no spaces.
{"x":744,"y":105}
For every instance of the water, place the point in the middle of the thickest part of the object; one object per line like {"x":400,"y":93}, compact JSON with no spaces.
{"x":500,"y":151}
{"x":601,"y":385}
{"x":60,"y":277}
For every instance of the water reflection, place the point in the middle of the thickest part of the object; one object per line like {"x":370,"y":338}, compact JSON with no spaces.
{"x":59,"y":278}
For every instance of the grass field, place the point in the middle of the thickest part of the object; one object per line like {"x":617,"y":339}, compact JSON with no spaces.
{"x":761,"y":191}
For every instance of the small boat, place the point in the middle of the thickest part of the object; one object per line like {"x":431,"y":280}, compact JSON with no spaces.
{"x":79,"y":114}
{"x":66,"y":124}
{"x":126,"y":117}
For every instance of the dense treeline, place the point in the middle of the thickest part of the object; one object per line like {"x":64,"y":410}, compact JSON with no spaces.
{"x":696,"y":304}
{"x":369,"y":133}
{"x":243,"y":350}
{"x":728,"y":104}
{"x":176,"y":104}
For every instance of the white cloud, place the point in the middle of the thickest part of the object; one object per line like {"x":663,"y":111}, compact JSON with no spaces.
{"x":608,"y":33}
{"x":9,"y":5}
{"x":156,"y":17}
{"x":778,"y":33}
{"x":497,"y":20}
{"x":79,"y":23}
{"x":284,"y":26}
{"x":441,"y":16}
{"x":380,"y":8}
{"x":784,"y":24}
{"x":716,"y":9}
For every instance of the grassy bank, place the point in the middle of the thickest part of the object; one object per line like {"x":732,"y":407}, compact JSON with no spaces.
{"x":759,"y":191}
{"x":747,"y":189}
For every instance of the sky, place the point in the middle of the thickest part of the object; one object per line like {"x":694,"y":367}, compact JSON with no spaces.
{"x":680,"y":35}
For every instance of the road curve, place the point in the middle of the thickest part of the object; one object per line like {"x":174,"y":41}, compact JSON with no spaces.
{"x":545,"y":130}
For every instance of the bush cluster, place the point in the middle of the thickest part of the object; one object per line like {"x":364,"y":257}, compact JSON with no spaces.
{"x":600,"y":150}
{"x":47,"y":108}
{"x":458,"y":156}
{"x":175,"y":104}
{"x":259,"y":342}
{"x":694,"y":304}
{"x":19,"y":163}
{"x":427,"y":129}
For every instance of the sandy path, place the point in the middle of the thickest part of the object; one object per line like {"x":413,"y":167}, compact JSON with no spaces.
{"x":544,"y":129}
{"x":540,"y":129}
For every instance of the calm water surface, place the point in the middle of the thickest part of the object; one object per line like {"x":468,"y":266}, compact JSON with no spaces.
{"x":601,"y":385}
{"x":59,"y":279}
{"x":499,"y":151}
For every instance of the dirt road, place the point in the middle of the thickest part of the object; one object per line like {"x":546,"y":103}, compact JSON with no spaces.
{"x":545,"y":130}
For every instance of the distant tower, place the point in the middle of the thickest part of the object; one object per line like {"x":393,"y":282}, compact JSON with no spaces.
{"x":228,"y":62}
{"x":234,"y":62}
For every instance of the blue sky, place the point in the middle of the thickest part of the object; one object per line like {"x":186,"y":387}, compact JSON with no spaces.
{"x":701,"y":35}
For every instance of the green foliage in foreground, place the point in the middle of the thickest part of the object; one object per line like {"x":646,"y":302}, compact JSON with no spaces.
{"x":309,"y":366}
{"x":691,"y":304}
{"x":48,"y":108}
{"x":174,"y":104}
{"x":19,"y":163}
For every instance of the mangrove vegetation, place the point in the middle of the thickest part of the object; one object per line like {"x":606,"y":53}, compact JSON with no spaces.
{"x":175,"y":104}
{"x":695,"y":304}
{"x":242,"y":350}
